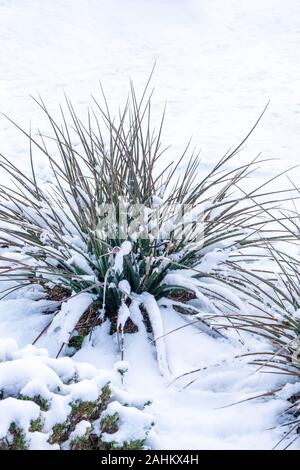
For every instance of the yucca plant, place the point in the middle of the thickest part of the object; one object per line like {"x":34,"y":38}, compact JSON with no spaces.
{"x":189,"y":236}
{"x":273,"y":313}
{"x":284,"y":331}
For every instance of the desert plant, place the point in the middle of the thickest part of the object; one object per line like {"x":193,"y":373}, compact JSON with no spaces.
{"x":62,"y":235}
{"x":274,"y":314}
{"x":284,"y":332}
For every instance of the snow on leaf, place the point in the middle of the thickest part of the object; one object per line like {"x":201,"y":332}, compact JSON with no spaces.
{"x":66,"y":320}
{"x":153,"y":311}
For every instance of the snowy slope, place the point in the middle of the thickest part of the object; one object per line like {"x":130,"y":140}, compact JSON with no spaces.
{"x":218,"y":63}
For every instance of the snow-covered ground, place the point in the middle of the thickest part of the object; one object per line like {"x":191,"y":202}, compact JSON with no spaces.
{"x":217,"y":65}
{"x":195,"y":417}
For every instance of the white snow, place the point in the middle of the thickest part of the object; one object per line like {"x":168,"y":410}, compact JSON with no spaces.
{"x":79,"y":261}
{"x":133,"y":424}
{"x":38,"y":441}
{"x":8,"y":347}
{"x":124,"y":250}
{"x":67,"y":318}
{"x":16,"y":375}
{"x":123,"y":315}
{"x":217,"y":64}
{"x":84,"y":391}
{"x":151,"y":307}
{"x":15,"y":411}
{"x":124,"y":287}
{"x":40,"y":378}
{"x":80,"y":430}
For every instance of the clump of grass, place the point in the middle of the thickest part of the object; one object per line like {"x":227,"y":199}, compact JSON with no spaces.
{"x":284,"y":303}
{"x":60,"y":226}
{"x":275,"y":316}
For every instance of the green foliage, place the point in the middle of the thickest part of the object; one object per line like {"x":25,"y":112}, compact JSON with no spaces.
{"x":83,"y":442}
{"x":83,"y":410}
{"x":61,"y":432}
{"x":105,"y":396}
{"x":41,"y":402}
{"x":76,"y":342}
{"x":15,"y":440}
{"x":133,"y":445}
{"x":109,"y":424}
{"x":36,"y":425}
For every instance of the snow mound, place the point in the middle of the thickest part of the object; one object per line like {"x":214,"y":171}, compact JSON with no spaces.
{"x":48,"y":403}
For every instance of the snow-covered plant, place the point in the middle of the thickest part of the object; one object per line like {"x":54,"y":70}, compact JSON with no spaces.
{"x":274,"y":314}
{"x":48,"y":403}
{"x":284,"y":331}
{"x":189,"y":234}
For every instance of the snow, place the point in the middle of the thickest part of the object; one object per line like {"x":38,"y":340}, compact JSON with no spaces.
{"x":58,"y":382}
{"x":67,"y":318}
{"x":175,"y":278}
{"x":211,"y":260}
{"x":297,"y":314}
{"x":123,"y":315}
{"x":133,"y":424}
{"x":84,"y":391}
{"x":8,"y":348}
{"x":22,"y":319}
{"x":39,"y":441}
{"x":80,"y":430}
{"x":288,"y":391}
{"x":80,"y":262}
{"x":151,"y":307}
{"x":136,"y":315}
{"x":16,"y":375}
{"x":217,"y":65}
{"x":18,"y":412}
{"x":193,"y":418}
{"x":124,"y":287}
{"x":200,"y":422}
{"x":124,"y":250}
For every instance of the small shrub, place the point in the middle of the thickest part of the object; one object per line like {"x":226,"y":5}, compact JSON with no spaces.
{"x":275,"y":316}
{"x":77,"y":415}
{"x":61,"y":226}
